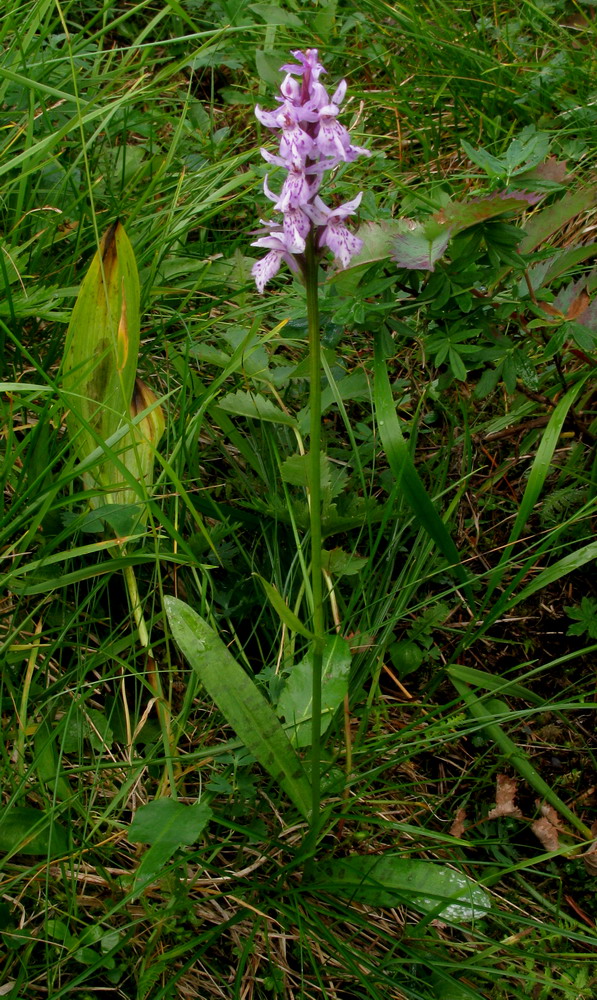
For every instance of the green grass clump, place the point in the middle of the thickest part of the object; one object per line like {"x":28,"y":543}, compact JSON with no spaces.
{"x":146,"y":852}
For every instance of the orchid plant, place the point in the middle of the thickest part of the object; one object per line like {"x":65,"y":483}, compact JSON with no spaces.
{"x":312,"y":141}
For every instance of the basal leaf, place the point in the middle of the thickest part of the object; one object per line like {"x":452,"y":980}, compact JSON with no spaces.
{"x":391,"y":880}
{"x":168,"y":822}
{"x":240,"y":701}
{"x":24,"y":830}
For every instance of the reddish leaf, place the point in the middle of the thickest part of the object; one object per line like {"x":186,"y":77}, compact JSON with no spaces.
{"x":545,"y":223}
{"x":461,"y":215}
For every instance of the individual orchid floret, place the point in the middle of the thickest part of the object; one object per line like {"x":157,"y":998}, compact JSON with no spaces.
{"x":290,"y":90}
{"x":295,"y":143}
{"x":296,"y":229}
{"x":333,"y":139}
{"x":295,"y":193}
{"x":334,"y":234}
{"x":265,"y":269}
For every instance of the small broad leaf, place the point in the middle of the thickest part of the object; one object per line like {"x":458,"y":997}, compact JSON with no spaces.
{"x":337,"y":562}
{"x":527,"y":150}
{"x":492,"y":166}
{"x":391,"y":880}
{"x":166,"y":825}
{"x":296,"y":701}
{"x":268,"y":67}
{"x":48,"y":763}
{"x":406,"y":657}
{"x":585,"y":617}
{"x":86,"y":724}
{"x":24,"y":830}
{"x":165,"y":821}
{"x":240,"y":701}
{"x":296,"y":470}
{"x":273,"y":14}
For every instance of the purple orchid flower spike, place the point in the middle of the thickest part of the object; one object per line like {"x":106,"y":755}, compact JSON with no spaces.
{"x":312,"y":140}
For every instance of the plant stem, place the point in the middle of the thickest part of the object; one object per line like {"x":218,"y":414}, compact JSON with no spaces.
{"x":162,"y":705}
{"x":315,"y":526}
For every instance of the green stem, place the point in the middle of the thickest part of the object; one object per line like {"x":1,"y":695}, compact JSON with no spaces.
{"x":162,"y":706}
{"x":315,"y":526}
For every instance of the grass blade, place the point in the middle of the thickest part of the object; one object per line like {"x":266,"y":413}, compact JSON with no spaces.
{"x":537,"y":476}
{"x":401,"y":464}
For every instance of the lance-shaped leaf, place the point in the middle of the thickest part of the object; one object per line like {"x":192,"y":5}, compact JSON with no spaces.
{"x":394,"y":880}
{"x":240,"y":701}
{"x":102,"y":347}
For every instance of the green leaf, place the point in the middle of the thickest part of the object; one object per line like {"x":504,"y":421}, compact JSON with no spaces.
{"x":296,"y":470}
{"x":84,"y":723}
{"x":586,"y":618}
{"x":377,"y":240}
{"x":295,"y":703}
{"x":546,"y":222}
{"x":392,"y":880}
{"x":102,"y":347}
{"x":492,"y":166}
{"x":24,"y":830}
{"x":421,"y":248}
{"x":402,"y":466}
{"x":527,"y":150}
{"x":166,"y":825}
{"x":240,"y":701}
{"x":251,"y":404}
{"x":48,"y":765}
{"x":273,"y":14}
{"x":268,"y":67}
{"x":337,"y":562}
{"x":461,"y":215}
{"x":496,"y":683}
{"x":165,"y":821}
{"x":537,"y":477}
{"x":457,"y":365}
{"x":406,"y":657}
{"x":286,"y":615}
